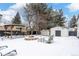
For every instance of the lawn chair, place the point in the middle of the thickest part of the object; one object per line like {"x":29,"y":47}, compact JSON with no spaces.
{"x":7,"y":51}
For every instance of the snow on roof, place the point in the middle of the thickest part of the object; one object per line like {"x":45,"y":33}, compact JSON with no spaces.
{"x":59,"y":27}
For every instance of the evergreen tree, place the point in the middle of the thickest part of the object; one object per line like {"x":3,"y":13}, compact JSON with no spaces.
{"x":56,"y":19}
{"x":59,"y":19}
{"x":0,"y":17}
{"x":16,"y":19}
{"x":73,"y":21}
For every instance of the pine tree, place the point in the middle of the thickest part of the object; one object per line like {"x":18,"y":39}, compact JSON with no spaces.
{"x":56,"y":19}
{"x":59,"y":19}
{"x":73,"y":21}
{"x":16,"y":19}
{"x":0,"y":17}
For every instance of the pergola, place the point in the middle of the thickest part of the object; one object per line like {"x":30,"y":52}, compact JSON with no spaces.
{"x":11,"y":27}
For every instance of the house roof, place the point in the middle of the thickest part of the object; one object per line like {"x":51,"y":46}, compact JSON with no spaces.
{"x":16,"y":27}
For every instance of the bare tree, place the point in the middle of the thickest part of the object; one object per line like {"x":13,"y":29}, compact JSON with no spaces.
{"x":40,"y":15}
{"x":30,"y":15}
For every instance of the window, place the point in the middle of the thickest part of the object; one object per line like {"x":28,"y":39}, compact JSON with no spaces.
{"x":72,"y":33}
{"x":57,"y":33}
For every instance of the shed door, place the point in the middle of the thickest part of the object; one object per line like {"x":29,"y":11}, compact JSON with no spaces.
{"x":72,"y":33}
{"x":57,"y":33}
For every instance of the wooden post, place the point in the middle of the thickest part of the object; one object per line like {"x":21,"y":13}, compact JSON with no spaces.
{"x":11,"y":29}
{"x":5,"y":26}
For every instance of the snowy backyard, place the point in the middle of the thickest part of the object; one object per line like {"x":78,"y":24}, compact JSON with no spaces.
{"x":61,"y":46}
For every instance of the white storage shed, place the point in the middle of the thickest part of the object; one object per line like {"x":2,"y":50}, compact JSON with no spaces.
{"x":59,"y":31}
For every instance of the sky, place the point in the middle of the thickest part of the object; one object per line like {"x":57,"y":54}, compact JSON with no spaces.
{"x":69,"y":9}
{"x":5,"y":6}
{"x":9,"y":10}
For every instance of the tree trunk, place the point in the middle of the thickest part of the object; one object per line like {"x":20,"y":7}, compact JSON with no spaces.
{"x":31,"y":31}
{"x":26,"y":31}
{"x":49,"y":32}
{"x":37,"y":26}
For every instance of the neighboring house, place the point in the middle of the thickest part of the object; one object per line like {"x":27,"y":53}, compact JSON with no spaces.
{"x":17,"y":29}
{"x":44,"y":32}
{"x":78,"y":32}
{"x":78,"y":28}
{"x":33,"y":31}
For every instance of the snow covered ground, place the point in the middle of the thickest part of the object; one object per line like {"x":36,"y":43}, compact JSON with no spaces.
{"x":61,"y":46}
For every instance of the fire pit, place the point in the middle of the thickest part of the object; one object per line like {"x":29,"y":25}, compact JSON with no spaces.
{"x":31,"y":37}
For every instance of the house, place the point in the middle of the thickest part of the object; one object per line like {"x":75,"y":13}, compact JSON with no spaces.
{"x":33,"y":31}
{"x":78,"y":28}
{"x":15,"y":28}
{"x":78,"y":32}
{"x":44,"y":32}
